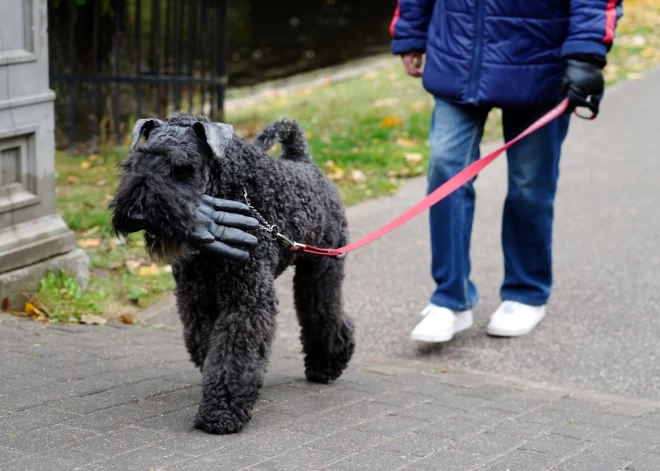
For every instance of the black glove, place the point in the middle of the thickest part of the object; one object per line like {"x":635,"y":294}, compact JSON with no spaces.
{"x":220,"y":228}
{"x":583,"y":79}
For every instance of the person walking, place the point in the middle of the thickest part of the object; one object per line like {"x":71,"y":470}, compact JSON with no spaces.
{"x":521,"y":57}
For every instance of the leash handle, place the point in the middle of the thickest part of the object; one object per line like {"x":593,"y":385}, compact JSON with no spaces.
{"x":441,"y":192}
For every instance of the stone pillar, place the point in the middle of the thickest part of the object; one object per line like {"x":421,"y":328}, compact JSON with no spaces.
{"x":33,"y":238}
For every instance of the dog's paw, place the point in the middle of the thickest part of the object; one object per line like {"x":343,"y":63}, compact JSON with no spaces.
{"x":323,"y":376}
{"x":220,"y":423}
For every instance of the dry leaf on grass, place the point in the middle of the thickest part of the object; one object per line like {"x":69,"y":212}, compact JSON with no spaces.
{"x":402,"y":142}
{"x":85,"y":164}
{"x":72,"y":180}
{"x":133,"y":265}
{"x":358,"y":176}
{"x":91,"y":231}
{"x":126,"y":319}
{"x":101,"y":183}
{"x":151,"y":270}
{"x":167,"y":268}
{"x":92,"y":319}
{"x":413,"y":157}
{"x":391,"y":122}
{"x":89,"y":243}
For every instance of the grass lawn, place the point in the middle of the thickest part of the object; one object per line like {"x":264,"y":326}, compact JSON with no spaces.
{"x":369,"y":134}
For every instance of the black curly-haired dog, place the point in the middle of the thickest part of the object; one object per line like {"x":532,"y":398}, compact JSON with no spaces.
{"x":228,"y":307}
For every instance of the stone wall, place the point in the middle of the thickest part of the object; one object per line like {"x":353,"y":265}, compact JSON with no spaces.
{"x":33,"y":238}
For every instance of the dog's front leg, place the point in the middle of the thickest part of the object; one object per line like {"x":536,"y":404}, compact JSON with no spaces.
{"x":238,"y":351}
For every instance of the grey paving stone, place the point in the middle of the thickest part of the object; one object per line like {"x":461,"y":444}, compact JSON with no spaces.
{"x":522,"y":460}
{"x":575,"y":405}
{"x":605,"y":419}
{"x":427,"y":412}
{"x":630,"y":410}
{"x":347,"y":442}
{"x":120,"y":441}
{"x":31,"y":419}
{"x":140,"y":459}
{"x":487,"y":416}
{"x":283,"y":393}
{"x":447,"y":460}
{"x":371,"y":460}
{"x":115,"y":418}
{"x":303,"y":406}
{"x":416,"y":444}
{"x":637,"y":434}
{"x":179,"y":399}
{"x":92,"y":402}
{"x":60,"y":459}
{"x":173,"y":424}
{"x":455,"y":428}
{"x":273,"y":443}
{"x":43,"y":439}
{"x":401,"y":399}
{"x":583,"y":431}
{"x":268,"y":419}
{"x":390,"y":425}
{"x":650,"y":421}
{"x":589,"y":461}
{"x":301,"y":459}
{"x":547,"y":416}
{"x":648,"y":462}
{"x":554,"y":444}
{"x":516,"y":428}
{"x":8,"y":455}
{"x":149,"y":388}
{"x":488,"y":444}
{"x":197,"y":442}
{"x":433,"y":389}
{"x":462,"y":402}
{"x":492,"y":392}
{"x":518,"y":405}
{"x":619,"y":448}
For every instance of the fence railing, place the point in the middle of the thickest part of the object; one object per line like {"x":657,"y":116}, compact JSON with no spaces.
{"x":115,"y":61}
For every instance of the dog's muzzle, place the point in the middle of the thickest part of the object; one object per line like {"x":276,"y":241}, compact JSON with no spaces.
{"x":135,"y":222}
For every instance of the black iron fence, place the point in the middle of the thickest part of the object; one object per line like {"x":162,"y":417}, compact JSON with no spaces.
{"x":115,"y":61}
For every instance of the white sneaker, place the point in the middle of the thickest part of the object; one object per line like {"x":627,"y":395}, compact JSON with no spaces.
{"x":440,"y":324}
{"x":514,"y":319}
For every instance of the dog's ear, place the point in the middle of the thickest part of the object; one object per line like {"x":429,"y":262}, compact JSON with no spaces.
{"x":143,"y":127}
{"x":216,"y":135}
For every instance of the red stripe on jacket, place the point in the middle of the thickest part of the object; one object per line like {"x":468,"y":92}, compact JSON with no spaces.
{"x":610,"y":19}
{"x":397,"y":14}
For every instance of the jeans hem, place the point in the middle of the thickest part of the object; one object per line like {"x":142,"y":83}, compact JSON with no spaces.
{"x":524,"y":300}
{"x":452,"y":306}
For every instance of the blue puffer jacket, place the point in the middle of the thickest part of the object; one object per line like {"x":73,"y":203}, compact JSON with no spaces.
{"x":503,"y":53}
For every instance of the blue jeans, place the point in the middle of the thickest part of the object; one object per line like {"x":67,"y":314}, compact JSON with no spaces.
{"x":533,"y":171}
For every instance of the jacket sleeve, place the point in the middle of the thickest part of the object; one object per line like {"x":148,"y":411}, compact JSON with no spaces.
{"x":410,"y":25}
{"x":592,"y":25}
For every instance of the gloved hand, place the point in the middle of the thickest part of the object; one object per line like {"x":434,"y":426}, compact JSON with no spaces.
{"x":220,"y":229}
{"x":583,"y":79}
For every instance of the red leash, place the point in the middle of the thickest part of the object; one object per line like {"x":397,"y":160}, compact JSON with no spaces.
{"x":441,"y":192}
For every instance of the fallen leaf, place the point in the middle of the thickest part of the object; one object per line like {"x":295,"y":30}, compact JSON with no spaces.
{"x":336,"y":174}
{"x":101,"y":183}
{"x":91,"y":231}
{"x":386,"y":102}
{"x":85,"y":164}
{"x":151,"y":270}
{"x":94,"y":157}
{"x":325,"y":140}
{"x":126,"y":319}
{"x":358,"y":176}
{"x":391,"y":122}
{"x":329,"y":164}
{"x":167,"y":268}
{"x":4,"y":306}
{"x":413,"y":157}
{"x":309,"y":134}
{"x":406,"y":142}
{"x":115,"y":265}
{"x":89,"y":243}
{"x":72,"y":180}
{"x":133,"y":265}
{"x":638,"y":40}
{"x":92,"y":319}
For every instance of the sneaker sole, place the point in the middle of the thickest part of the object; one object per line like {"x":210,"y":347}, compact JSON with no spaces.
{"x":463,"y":324}
{"x":511,"y":333}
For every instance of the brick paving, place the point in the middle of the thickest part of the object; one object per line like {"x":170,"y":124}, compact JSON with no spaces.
{"x":124,"y":398}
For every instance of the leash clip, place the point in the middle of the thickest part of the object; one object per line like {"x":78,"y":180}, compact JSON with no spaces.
{"x":293,"y":246}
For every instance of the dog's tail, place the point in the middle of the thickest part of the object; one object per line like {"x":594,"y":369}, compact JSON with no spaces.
{"x":289,"y":134}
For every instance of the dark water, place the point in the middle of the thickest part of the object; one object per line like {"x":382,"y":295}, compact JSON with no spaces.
{"x":273,"y":39}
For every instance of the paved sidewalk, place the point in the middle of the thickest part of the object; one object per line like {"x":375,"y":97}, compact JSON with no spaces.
{"x":124,"y":398}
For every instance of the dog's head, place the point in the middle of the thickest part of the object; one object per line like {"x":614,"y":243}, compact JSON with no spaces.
{"x":163,"y":178}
